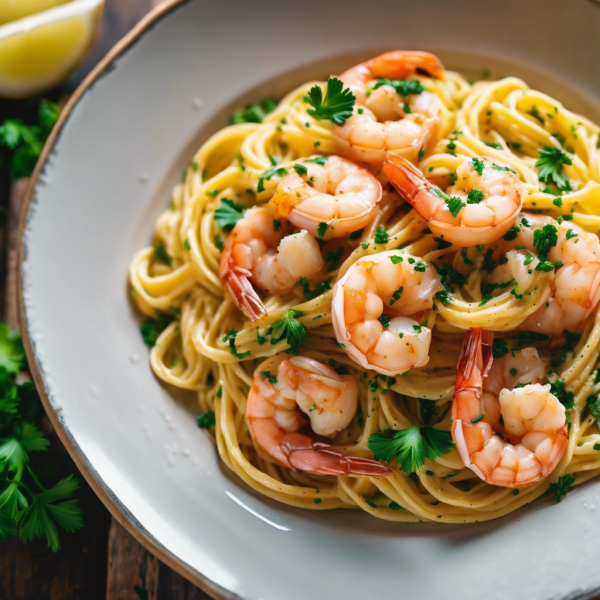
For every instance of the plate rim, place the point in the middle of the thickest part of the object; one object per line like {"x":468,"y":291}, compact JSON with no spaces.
{"x":110,"y":500}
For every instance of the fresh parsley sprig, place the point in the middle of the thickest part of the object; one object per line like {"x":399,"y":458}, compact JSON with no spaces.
{"x":228,"y":214}
{"x":337,"y":104}
{"x":23,"y":139}
{"x":410,"y":447}
{"x":551,"y":167}
{"x":28,"y":508}
{"x":290,"y":329}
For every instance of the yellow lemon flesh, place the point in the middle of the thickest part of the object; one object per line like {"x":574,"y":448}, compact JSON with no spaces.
{"x":38,"y":52}
{"x":11,"y":10}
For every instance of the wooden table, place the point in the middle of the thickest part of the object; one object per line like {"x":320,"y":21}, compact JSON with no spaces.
{"x":101,"y":561}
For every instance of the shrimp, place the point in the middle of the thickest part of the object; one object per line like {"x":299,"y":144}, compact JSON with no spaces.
{"x":488,"y":197}
{"x":255,"y":253}
{"x":280,"y":388}
{"x":338,"y":193}
{"x":377,"y":310}
{"x":386,"y":120}
{"x":575,"y":291}
{"x":532,"y":440}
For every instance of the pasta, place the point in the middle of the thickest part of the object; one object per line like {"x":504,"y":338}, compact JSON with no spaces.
{"x":212,"y":349}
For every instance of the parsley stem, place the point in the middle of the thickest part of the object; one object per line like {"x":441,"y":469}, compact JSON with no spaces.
{"x":35,"y":479}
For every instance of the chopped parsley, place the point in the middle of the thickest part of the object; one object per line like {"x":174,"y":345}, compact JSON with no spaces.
{"x":561,"y":487}
{"x":443,"y":296}
{"x":449,"y":276}
{"x":442,"y":244}
{"x":336,"y":106}
{"x":333,"y":258}
{"x":544,"y":239}
{"x":410,"y":446}
{"x":152,"y":328}
{"x":404,"y":87}
{"x":206,"y":420}
{"x":571,"y":340}
{"x":551,"y":162}
{"x":384,"y":320}
{"x":501,"y":168}
{"x":309,"y":294}
{"x":396,"y":295}
{"x":478,"y":165}
{"x":267,"y":175}
{"x":571,"y":234}
{"x":381,"y":237}
{"x":161,"y":253}
{"x":228,"y":214}
{"x":396,"y":259}
{"x":267,"y":374}
{"x":290,"y":328}
{"x":455,"y":205}
{"x":322,"y":230}
{"x":475,"y":197}
{"x":567,"y":399}
{"x":253,"y":113}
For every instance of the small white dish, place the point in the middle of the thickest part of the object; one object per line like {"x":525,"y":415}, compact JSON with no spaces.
{"x":106,"y":174}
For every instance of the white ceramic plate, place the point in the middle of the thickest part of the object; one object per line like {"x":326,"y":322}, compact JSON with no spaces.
{"x":107,"y":174}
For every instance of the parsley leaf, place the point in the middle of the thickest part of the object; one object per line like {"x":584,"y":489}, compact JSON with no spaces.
{"x":475,"y":197}
{"x":381,"y":237}
{"x":551,"y":162}
{"x":228,"y":214}
{"x":410,"y":446}
{"x":50,"y":508}
{"x":336,"y":106}
{"x":12,"y":354}
{"x":442,"y":244}
{"x":455,"y":205}
{"x":206,"y":420}
{"x":571,"y":340}
{"x":152,"y":328}
{"x":404,"y":87}
{"x":478,"y":165}
{"x":253,"y":113}
{"x":309,"y":294}
{"x":561,"y":487}
{"x":23,"y":139}
{"x":544,"y":239}
{"x":270,"y":172}
{"x":567,"y":399}
{"x":290,"y":328}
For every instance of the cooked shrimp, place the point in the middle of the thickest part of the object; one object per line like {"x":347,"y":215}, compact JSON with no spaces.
{"x":533,"y":438}
{"x":255,"y":253}
{"x":339,"y":193}
{"x":377,"y":309}
{"x":490,"y":199}
{"x":575,"y":291}
{"x":385,"y":120}
{"x":280,"y":388}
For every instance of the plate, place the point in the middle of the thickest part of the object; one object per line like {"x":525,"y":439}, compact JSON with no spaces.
{"x":106,"y":174}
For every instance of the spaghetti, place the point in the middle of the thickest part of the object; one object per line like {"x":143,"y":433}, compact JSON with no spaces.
{"x":211,"y":348}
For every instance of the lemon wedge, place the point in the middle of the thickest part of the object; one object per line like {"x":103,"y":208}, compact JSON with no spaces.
{"x":39,"y":51}
{"x":11,"y":10}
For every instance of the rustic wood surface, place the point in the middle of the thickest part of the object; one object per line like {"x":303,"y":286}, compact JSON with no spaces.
{"x":101,"y":561}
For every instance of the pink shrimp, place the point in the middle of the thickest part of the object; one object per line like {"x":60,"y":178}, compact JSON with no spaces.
{"x":280,"y":388}
{"x":256,"y":253}
{"x":390,"y":114}
{"x":533,"y":439}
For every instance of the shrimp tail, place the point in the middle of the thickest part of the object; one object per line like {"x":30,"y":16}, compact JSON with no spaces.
{"x":410,"y":182}
{"x":244,"y":295}
{"x":307,"y":455}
